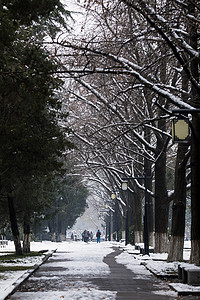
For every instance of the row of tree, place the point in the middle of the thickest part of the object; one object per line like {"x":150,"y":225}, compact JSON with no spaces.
{"x":128,"y":68}
{"x":34,"y":161}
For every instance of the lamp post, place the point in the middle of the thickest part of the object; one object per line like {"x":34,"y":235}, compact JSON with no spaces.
{"x":146,"y":218}
{"x":57,"y":220}
{"x":115,"y":219}
{"x":124,"y":187}
{"x":109,"y":223}
{"x":113,"y":197}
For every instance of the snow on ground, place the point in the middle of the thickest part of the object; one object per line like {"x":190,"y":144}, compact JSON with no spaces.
{"x":72,"y":256}
{"x":163,"y":269}
{"x":74,"y":253}
{"x":142,"y":273}
{"x":72,"y":294}
{"x":133,"y":264}
{"x":77,"y":252}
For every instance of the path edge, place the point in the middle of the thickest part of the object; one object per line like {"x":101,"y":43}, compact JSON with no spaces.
{"x":13,"y":287}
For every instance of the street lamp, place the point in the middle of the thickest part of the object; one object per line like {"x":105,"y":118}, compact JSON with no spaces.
{"x":124,"y":187}
{"x":113,"y":196}
{"x":181,"y":125}
{"x":180,"y":130}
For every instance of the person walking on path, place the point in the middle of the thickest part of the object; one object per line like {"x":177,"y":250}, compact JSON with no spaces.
{"x":98,"y":235}
{"x":91,"y":236}
{"x":86,"y":236}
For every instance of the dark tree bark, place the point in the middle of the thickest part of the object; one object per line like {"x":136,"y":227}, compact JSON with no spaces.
{"x":179,"y":206}
{"x":195,"y":199}
{"x":116,"y":220}
{"x":161,"y":194}
{"x":179,"y":202}
{"x":14,"y":225}
{"x":26,"y":237}
{"x":137,"y":217}
{"x":195,"y":146}
{"x":147,"y":170}
{"x":62,"y":231}
{"x":161,"y":204}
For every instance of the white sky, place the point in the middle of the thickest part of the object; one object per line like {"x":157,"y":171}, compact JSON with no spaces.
{"x":76,"y":12}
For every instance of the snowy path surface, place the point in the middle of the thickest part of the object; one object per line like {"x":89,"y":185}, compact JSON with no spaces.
{"x":68,"y":274}
{"x":87,"y":271}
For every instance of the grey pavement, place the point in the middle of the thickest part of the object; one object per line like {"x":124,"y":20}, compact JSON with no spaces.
{"x":129,"y":285}
{"x":126,"y":283}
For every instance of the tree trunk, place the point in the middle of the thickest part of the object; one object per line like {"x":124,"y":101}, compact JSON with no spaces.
{"x":137,"y":217}
{"x":179,"y":205}
{"x":117,"y":220}
{"x":161,"y":194}
{"x":161,"y":202}
{"x":26,"y":237}
{"x":195,"y":184}
{"x":62,"y":232}
{"x":138,"y":236}
{"x":14,"y":226}
{"x":147,"y":170}
{"x":53,"y":236}
{"x":195,"y":146}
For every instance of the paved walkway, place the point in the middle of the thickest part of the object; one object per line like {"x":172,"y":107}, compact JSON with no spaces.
{"x":123,"y":283}
{"x":128,"y":285}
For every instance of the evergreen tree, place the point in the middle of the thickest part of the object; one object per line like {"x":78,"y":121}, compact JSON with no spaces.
{"x":68,"y":206}
{"x":32,"y":143}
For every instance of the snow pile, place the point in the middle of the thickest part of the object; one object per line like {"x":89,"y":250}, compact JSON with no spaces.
{"x":163,"y":269}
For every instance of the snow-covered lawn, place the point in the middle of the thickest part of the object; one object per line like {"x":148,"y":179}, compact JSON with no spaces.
{"x":9,"y":278}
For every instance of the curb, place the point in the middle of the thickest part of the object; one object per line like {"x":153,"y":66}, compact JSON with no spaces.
{"x":161,"y":276}
{"x":181,"y":288}
{"x":184,"y":289}
{"x":11,"y":289}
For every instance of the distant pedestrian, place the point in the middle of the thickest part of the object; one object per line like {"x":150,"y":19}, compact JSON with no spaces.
{"x":86,"y":236}
{"x":91,"y":236}
{"x":72,"y":236}
{"x":82,"y":236}
{"x":98,"y":235}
